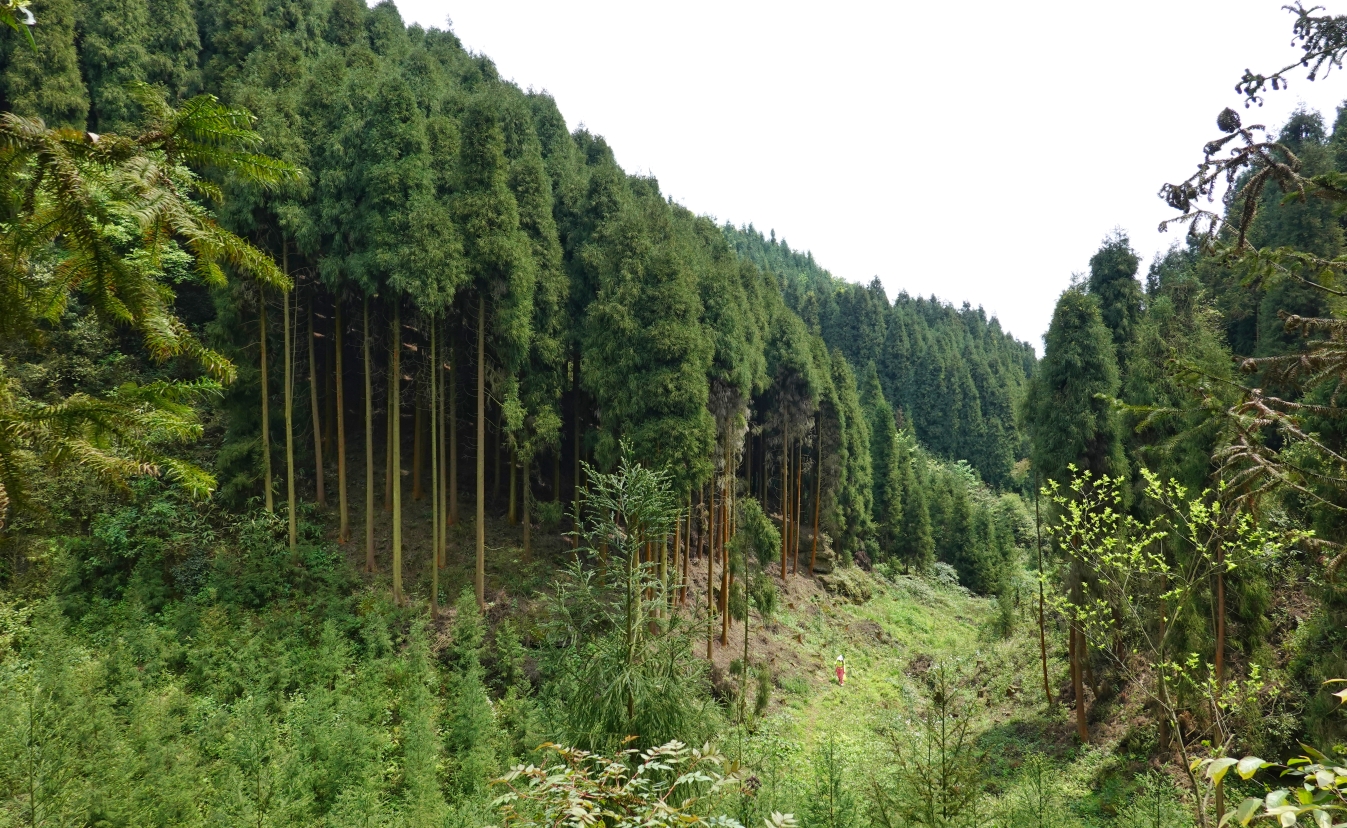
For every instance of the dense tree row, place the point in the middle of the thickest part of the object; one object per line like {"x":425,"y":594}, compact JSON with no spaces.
{"x":474,"y":284}
{"x":956,"y":376}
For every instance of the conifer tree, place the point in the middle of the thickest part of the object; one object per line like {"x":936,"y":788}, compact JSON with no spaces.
{"x":1113,"y":285}
{"x":1068,"y":415}
{"x":1072,"y":424}
{"x":500,"y":269}
{"x":44,"y":82}
{"x":113,"y":36}
{"x":915,"y":546}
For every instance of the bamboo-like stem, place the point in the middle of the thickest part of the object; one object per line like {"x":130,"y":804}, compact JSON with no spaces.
{"x":289,"y":410}
{"x":395,"y":413}
{"x":314,"y":412}
{"x":418,"y":431}
{"x":724,"y":564}
{"x":575,"y":434}
{"x":388,"y":450}
{"x":437,"y":530}
{"x":818,"y":494}
{"x":441,"y":415}
{"x":524,"y":509}
{"x":369,"y":444}
{"x":344,"y":531}
{"x":710,"y":568}
{"x":785,"y":501}
{"x":1042,"y":624}
{"x":512,"y":515}
{"x":452,"y":416}
{"x":266,"y":393}
{"x":795,"y":532}
{"x":479,"y":578}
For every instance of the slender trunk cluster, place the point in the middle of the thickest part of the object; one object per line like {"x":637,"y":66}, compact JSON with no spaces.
{"x":395,"y":447}
{"x":437,"y":530}
{"x":313,"y":412}
{"x":479,"y":578}
{"x":289,"y":412}
{"x":818,"y":496}
{"x":344,"y":532}
{"x":369,"y":445}
{"x":453,"y":440}
{"x":266,"y":392}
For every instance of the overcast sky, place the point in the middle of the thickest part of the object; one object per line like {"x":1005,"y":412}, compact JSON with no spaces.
{"x":978,"y":151}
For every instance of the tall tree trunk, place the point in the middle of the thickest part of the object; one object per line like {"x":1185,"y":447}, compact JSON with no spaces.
{"x":442,"y":479}
{"x":677,"y":549}
{"x":480,"y":575}
{"x":369,"y":445}
{"x":1162,"y":689}
{"x":344,"y":532}
{"x":453,"y":437}
{"x":748,"y":462}
{"x":395,"y":412}
{"x":710,"y":568}
{"x":724,"y":565}
{"x":313,"y":410}
{"x":575,"y":431}
{"x":1042,"y":624}
{"x":663,"y":577}
{"x":418,"y":446}
{"x":818,"y":494}
{"x":289,"y":409}
{"x":524,"y":509}
{"x":556,"y":474}
{"x":266,"y":392}
{"x":1077,"y":672}
{"x":513,"y":515}
{"x":388,"y":448}
{"x":687,"y":557}
{"x":785,"y":502}
{"x":495,"y":458}
{"x":1220,"y":620}
{"x":437,"y":530}
{"x":795,"y":531}
{"x":329,"y":404}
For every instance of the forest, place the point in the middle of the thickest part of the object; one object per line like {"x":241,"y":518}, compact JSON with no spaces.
{"x":375,"y":450}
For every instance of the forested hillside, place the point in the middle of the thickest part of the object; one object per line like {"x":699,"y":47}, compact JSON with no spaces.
{"x":366,"y":432}
{"x":954,"y":374}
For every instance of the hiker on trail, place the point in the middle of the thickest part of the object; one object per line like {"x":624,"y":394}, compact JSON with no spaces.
{"x":841,"y":671}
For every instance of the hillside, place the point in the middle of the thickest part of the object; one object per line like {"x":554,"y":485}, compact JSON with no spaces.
{"x":375,"y":450}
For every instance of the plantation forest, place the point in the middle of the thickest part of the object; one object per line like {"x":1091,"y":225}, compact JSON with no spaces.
{"x":376,"y":451}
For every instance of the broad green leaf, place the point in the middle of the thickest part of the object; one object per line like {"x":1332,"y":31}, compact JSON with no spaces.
{"x":1246,"y":810}
{"x":1216,"y":770}
{"x":1248,"y":766}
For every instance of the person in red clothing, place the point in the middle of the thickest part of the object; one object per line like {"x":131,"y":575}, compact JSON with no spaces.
{"x":841,"y":671}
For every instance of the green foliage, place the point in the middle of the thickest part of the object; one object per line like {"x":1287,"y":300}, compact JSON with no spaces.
{"x":102,"y":220}
{"x":953,"y":373}
{"x":757,"y":538}
{"x":1068,"y":413}
{"x":1155,"y":804}
{"x":936,"y":776}
{"x":620,"y":669}
{"x":665,"y":784}
{"x":1037,"y":799}
{"x":831,"y":803}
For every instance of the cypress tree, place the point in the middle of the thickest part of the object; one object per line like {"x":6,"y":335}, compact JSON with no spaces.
{"x":113,"y":36}
{"x":499,"y":266}
{"x":1067,"y":411}
{"x":45,"y":83}
{"x":1114,"y":286}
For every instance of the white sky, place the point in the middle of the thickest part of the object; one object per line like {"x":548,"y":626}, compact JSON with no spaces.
{"x":979,"y":151}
